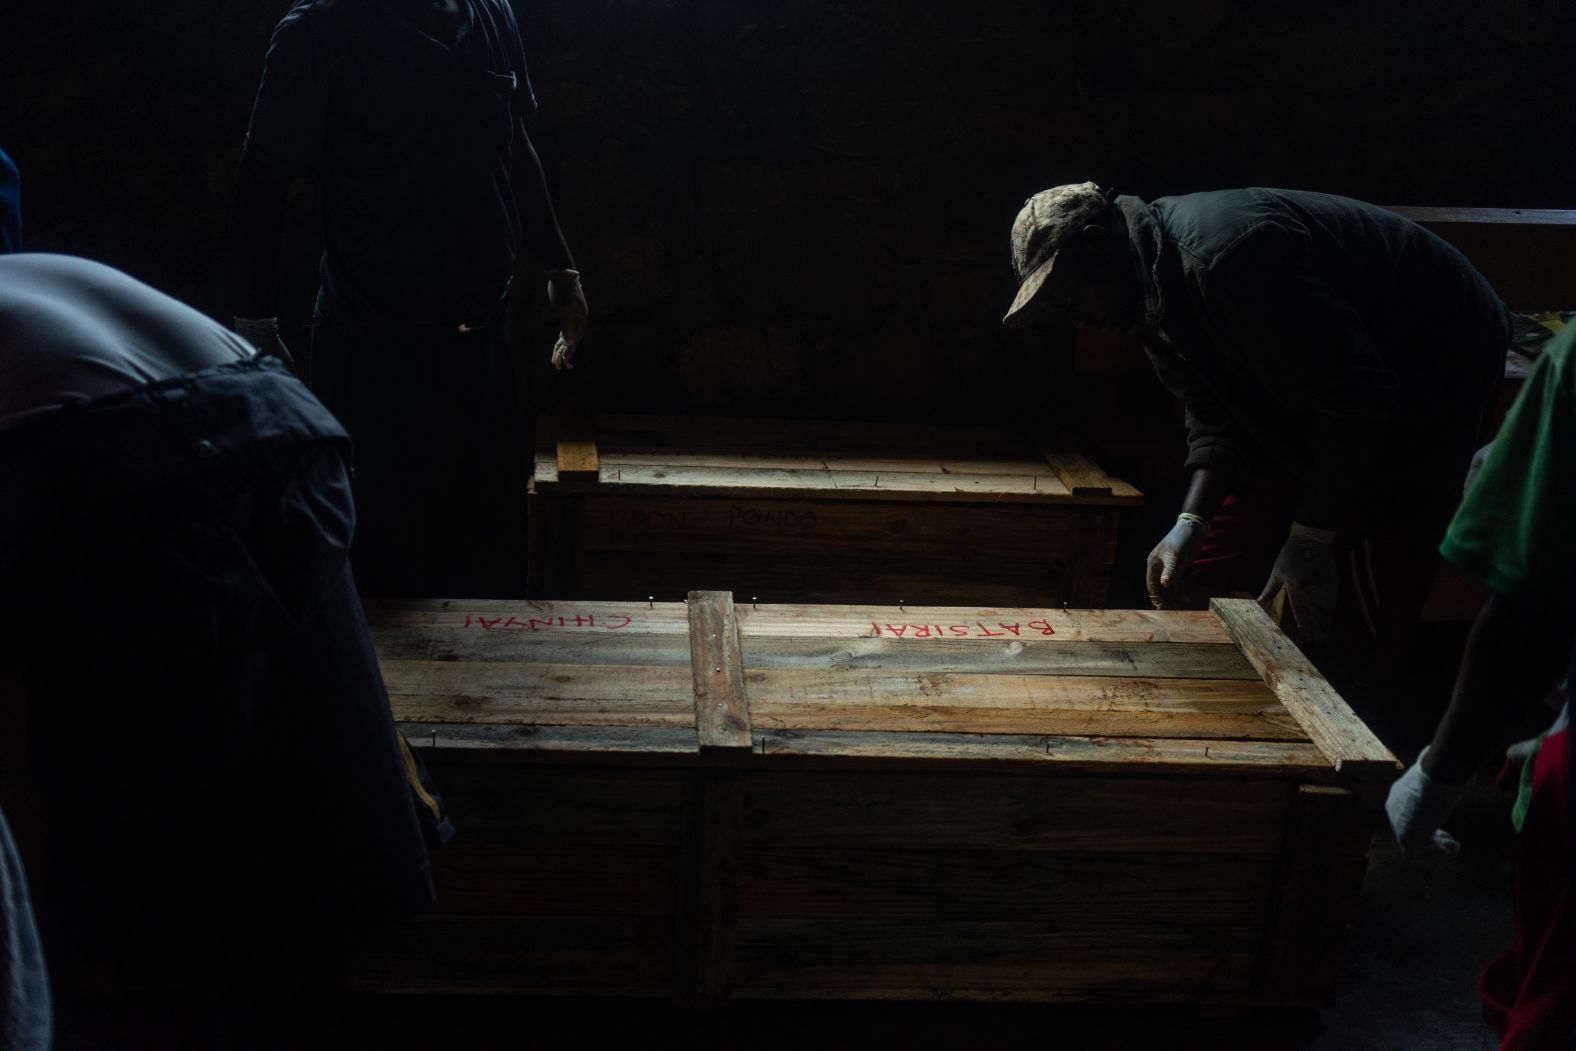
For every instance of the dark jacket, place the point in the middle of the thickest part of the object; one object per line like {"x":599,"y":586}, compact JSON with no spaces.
{"x":1307,"y":333}
{"x":411,"y":142}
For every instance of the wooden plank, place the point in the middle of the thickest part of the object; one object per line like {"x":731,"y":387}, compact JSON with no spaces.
{"x":560,"y":807}
{"x":708,"y":897}
{"x":918,"y":623}
{"x":915,"y":749}
{"x":939,"y":462}
{"x":548,"y":694}
{"x":782,"y":689}
{"x":817,"y":699}
{"x":759,"y":456}
{"x":527,"y":617}
{"x":722,"y":712}
{"x":554,"y":527}
{"x":908,"y":623}
{"x":1064,"y":890}
{"x":1498,"y":216}
{"x":1253,"y":724}
{"x":501,"y":880}
{"x":1349,"y":745}
{"x":856,"y":959}
{"x":937,"y":752}
{"x":809,"y":437}
{"x":973,"y":536}
{"x":530,"y":737}
{"x":1089,"y":583}
{"x":996,"y":653}
{"x":560,"y":956}
{"x":400,"y":642}
{"x":991,"y":650}
{"x":902,"y":486}
{"x":1079,"y":476}
{"x":996,"y":811}
{"x":799,"y":574}
{"x":577,"y":461}
{"x":1316,"y":891}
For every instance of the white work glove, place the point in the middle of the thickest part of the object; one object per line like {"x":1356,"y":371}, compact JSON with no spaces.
{"x":1474,"y":467}
{"x":1416,"y":805}
{"x":263,"y":333}
{"x":1171,"y":558}
{"x":568,"y":300}
{"x":1305,"y":571}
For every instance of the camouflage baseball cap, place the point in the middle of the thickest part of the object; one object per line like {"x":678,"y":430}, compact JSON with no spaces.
{"x":1044,"y":225}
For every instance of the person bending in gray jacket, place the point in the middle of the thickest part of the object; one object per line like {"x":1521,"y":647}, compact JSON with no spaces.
{"x":1336,"y":362}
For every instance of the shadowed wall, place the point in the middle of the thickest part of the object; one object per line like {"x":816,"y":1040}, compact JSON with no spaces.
{"x":801,"y":206}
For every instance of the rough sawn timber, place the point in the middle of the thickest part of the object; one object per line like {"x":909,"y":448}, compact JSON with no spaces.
{"x":716,"y":799}
{"x":821,"y":512}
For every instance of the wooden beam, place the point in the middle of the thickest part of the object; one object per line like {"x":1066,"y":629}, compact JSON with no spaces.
{"x":578,"y":461}
{"x":1343,"y":738}
{"x":1315,"y":895}
{"x":1503,"y":216}
{"x":722,"y":715}
{"x":707,"y":910}
{"x":1081,"y":476}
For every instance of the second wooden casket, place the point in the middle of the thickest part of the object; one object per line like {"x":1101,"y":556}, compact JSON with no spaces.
{"x":821,"y":512}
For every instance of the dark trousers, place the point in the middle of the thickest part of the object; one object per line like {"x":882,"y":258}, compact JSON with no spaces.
{"x":441,"y":456}
{"x":1387,"y":567}
{"x":1386,"y":571}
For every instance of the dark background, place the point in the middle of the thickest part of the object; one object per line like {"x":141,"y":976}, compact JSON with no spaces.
{"x":802,"y":206}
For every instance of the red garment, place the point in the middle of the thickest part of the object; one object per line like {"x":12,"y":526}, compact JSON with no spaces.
{"x":1529,"y":993}
{"x":1248,"y":532}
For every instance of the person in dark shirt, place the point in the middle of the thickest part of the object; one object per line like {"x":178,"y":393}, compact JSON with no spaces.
{"x":410,"y":115}
{"x":198,"y":747}
{"x":1336,"y":363}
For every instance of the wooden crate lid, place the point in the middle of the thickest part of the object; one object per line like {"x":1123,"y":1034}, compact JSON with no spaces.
{"x":765,"y":459}
{"x":1116,"y":690}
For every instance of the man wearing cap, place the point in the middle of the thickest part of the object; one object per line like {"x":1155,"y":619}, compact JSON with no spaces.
{"x":1335,"y":362}
{"x":410,"y":115}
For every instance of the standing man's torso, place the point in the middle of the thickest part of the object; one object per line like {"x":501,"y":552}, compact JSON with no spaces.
{"x":404,"y":112}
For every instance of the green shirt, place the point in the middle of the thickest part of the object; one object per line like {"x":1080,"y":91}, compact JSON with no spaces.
{"x":1516,"y":528}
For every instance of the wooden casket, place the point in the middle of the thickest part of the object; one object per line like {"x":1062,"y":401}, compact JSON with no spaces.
{"x":704,"y":800}
{"x":818,"y":512}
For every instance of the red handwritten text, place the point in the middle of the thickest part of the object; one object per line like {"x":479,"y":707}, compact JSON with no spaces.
{"x":609,"y":622}
{"x":977,"y":630}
